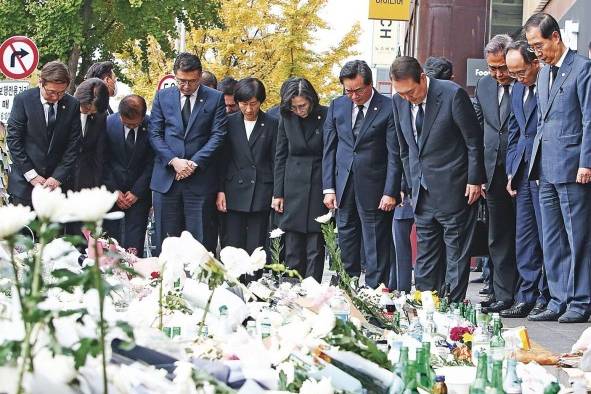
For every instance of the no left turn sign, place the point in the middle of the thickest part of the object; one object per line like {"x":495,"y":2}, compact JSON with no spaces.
{"x":18,"y":57}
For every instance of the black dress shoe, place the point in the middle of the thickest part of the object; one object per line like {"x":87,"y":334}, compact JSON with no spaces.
{"x":546,"y":315}
{"x":538,"y":308}
{"x":488,"y":302}
{"x":480,"y":279}
{"x":485,"y":290}
{"x":518,"y":310}
{"x":497,"y":307}
{"x":573,"y":317}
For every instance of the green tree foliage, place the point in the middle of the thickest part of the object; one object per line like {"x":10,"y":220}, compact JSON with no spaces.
{"x":80,"y":32}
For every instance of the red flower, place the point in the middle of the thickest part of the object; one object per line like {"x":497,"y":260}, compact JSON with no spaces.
{"x":155,"y":275}
{"x":457,"y":333}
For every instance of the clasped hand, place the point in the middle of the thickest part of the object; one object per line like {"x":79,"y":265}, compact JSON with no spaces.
{"x":183,"y":168}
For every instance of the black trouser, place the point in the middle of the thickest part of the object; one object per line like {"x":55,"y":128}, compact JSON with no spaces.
{"x":181,"y":209}
{"x":130,"y":231}
{"x":305,"y":253}
{"x":443,"y":237}
{"x":245,"y":230}
{"x":368,"y":228}
{"x":501,"y":237}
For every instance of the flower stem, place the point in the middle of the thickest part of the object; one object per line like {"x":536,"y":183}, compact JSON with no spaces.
{"x":99,"y":286}
{"x":160,"y":307}
{"x":202,"y":323}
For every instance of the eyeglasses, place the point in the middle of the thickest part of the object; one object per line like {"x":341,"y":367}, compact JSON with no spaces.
{"x":495,"y":69}
{"x":358,"y":91}
{"x":187,"y":82}
{"x":58,"y":93}
{"x":537,"y":47}
{"x":519,"y":74}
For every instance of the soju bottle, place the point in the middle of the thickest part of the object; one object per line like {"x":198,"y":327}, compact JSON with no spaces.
{"x":512,"y":383}
{"x":410,"y":381}
{"x":497,"y":343}
{"x":427,"y":356}
{"x":481,"y":380}
{"x":400,"y":367}
{"x":424,"y":379}
{"x":396,"y":321}
{"x":496,"y":384}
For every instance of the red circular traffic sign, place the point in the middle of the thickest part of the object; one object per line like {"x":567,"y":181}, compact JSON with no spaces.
{"x":166,"y":82}
{"x":19,"y":57}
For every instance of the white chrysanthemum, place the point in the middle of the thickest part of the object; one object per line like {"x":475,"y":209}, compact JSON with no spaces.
{"x":50,"y":205}
{"x":90,"y":205}
{"x":324,"y":218}
{"x":276,"y":233}
{"x":13,"y":219}
{"x":237,"y":261}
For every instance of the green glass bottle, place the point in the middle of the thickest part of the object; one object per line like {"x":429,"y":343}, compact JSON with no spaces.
{"x":423,"y":375}
{"x":481,"y":380}
{"x":497,"y":343}
{"x":427,"y":358}
{"x":400,"y":367}
{"x":410,"y":381}
{"x":396,"y":321}
{"x":552,"y":388}
{"x":496,"y":383}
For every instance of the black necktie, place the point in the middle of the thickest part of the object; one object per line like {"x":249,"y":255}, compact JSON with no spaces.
{"x":186,"y":112}
{"x":554,"y":71}
{"x":419,"y":121}
{"x":130,"y":143}
{"x":530,"y":101}
{"x":505,"y":103}
{"x":50,"y":121}
{"x":358,"y":121}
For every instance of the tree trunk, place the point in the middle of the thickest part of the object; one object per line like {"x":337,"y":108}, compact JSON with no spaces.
{"x":73,"y":67}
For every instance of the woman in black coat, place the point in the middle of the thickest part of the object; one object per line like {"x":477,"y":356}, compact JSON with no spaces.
{"x":246,"y":176}
{"x":298,"y":193}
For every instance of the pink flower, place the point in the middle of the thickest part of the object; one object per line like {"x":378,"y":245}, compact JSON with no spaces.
{"x":457,"y":333}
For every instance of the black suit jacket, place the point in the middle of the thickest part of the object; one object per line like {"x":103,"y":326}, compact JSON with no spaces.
{"x":496,"y":134}
{"x":30,"y":147}
{"x":298,"y":170}
{"x":449,"y":154}
{"x":125,"y":173}
{"x":247,"y":164}
{"x":88,"y":170}
{"x":368,"y":160}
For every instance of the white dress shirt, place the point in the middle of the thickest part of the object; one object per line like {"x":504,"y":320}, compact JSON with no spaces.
{"x":83,"y":120}
{"x":501,"y":91}
{"x":127,"y":130}
{"x":526,"y":93}
{"x":249,"y":126}
{"x":414,"y":108}
{"x":356,"y":109}
{"x":192,"y":99}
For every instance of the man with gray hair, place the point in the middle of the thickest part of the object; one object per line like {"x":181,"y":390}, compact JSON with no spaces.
{"x":493,"y":107}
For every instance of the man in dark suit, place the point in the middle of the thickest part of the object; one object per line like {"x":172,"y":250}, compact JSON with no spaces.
{"x":187,"y":127}
{"x":358,"y":172}
{"x":43,"y":134}
{"x":93,"y":96}
{"x":561,"y":160}
{"x":531,"y":295}
{"x":226,"y":86}
{"x":129,"y":160}
{"x":442,"y":153}
{"x":104,"y":71}
{"x":493,"y":107}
